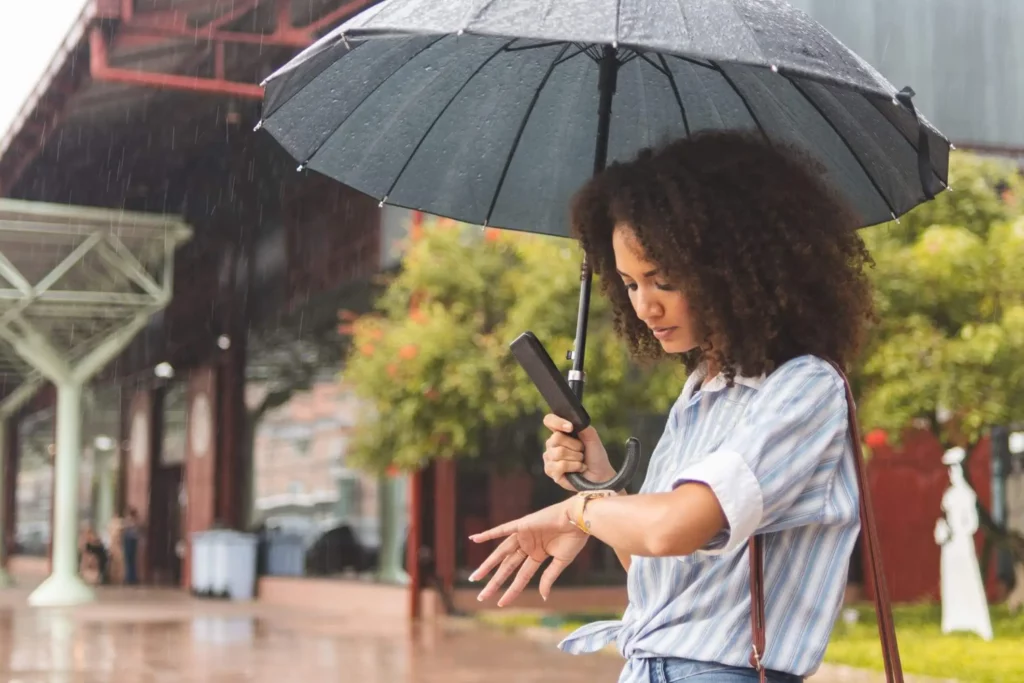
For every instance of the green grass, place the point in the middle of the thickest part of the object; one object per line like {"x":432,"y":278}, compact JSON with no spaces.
{"x":924,"y":649}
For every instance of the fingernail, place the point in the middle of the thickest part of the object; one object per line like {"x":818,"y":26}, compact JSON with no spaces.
{"x":480,"y":598}
{"x":472,"y":578}
{"x":544,"y":598}
{"x":567,"y":426}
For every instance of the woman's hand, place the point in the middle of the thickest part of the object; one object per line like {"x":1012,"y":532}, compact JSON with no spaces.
{"x":564,"y":454}
{"x":530,"y":541}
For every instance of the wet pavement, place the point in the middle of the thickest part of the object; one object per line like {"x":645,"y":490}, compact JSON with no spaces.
{"x":148,"y":636}
{"x":157,"y":636}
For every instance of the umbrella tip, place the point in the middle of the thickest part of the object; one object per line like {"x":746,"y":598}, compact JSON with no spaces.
{"x":259,"y":124}
{"x":301,"y":167}
{"x":775,"y":68}
{"x":381,"y":204}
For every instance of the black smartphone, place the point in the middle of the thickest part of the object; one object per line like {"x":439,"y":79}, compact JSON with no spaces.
{"x":534,"y":358}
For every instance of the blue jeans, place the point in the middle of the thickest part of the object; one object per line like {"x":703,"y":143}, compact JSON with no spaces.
{"x":674,"y":670}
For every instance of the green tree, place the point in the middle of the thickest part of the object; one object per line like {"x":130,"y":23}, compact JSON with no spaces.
{"x":948,"y":350}
{"x":432,"y":362}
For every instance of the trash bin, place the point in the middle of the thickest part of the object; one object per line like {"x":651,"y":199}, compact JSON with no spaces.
{"x":202,"y":563}
{"x":285,"y":554}
{"x":239,"y":570}
{"x":224,"y":564}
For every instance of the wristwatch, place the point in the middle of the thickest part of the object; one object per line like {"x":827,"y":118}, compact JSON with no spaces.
{"x":579,"y":507}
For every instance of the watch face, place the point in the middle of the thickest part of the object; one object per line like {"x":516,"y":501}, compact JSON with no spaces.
{"x":201,"y":425}
{"x":140,"y":439}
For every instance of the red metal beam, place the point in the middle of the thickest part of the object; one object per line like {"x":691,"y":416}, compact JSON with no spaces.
{"x":100,"y":70}
{"x":338,"y":15}
{"x":175,"y":24}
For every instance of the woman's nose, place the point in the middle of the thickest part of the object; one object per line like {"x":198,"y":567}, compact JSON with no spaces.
{"x":647,"y":306}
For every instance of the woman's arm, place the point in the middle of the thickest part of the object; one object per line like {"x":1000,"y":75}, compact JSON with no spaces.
{"x":654,"y":524}
{"x":625,"y":559}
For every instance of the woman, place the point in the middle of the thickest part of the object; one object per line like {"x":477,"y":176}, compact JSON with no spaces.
{"x":732,"y":255}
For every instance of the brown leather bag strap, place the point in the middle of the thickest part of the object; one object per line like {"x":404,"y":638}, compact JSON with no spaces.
{"x":886,"y":627}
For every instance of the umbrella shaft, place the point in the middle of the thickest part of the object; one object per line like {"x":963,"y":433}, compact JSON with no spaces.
{"x":606,"y":83}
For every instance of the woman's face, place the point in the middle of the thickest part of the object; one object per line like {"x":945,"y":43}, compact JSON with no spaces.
{"x":659,"y":305}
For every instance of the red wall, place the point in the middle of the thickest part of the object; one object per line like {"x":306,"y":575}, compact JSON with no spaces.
{"x":906,"y":489}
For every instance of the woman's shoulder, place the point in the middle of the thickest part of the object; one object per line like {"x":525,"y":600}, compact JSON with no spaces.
{"x":808,"y":368}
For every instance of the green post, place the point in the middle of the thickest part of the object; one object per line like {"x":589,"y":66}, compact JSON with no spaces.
{"x":391,"y":503}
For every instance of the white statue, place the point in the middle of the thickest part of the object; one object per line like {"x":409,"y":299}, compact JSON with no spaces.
{"x":964,"y":605}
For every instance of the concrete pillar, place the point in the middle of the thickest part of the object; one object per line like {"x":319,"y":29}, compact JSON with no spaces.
{"x":391,"y":500}
{"x":64,"y":586}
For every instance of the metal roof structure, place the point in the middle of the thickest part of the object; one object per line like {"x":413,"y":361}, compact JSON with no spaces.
{"x":75,"y":282}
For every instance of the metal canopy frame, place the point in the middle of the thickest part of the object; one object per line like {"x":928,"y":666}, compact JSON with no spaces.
{"x":76,"y":285}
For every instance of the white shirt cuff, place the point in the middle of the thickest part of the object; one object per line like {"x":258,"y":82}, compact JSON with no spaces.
{"x":729,"y":476}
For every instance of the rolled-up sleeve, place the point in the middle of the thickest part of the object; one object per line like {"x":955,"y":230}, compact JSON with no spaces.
{"x":774,"y":470}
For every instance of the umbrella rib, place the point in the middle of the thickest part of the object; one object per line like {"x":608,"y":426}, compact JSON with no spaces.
{"x":743,"y":98}
{"x":696,"y":62}
{"x":315,"y":150}
{"x":903,"y":135}
{"x":675,"y":91}
{"x":846,"y":142}
{"x":441,"y":113}
{"x":519,"y":133}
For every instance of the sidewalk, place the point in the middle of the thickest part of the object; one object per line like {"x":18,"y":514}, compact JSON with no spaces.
{"x":156,"y":636}
{"x":151,"y":636}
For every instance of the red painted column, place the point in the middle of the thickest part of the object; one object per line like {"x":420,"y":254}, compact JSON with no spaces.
{"x":9,"y":462}
{"x":444,"y":522}
{"x":139,"y":471}
{"x":200,"y":460}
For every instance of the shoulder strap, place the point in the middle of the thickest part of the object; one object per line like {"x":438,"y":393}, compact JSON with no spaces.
{"x":886,"y":628}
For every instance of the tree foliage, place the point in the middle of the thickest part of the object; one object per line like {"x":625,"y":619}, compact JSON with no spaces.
{"x":947,"y":349}
{"x":432,"y":363}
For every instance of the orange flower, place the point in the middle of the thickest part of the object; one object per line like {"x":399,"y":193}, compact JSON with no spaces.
{"x":392,"y":370}
{"x":347,"y":315}
{"x":876,"y":438}
{"x":408,"y":352}
{"x":366,"y":349}
{"x":418,"y":316}
{"x":376,"y":334}
{"x":492,"y":234}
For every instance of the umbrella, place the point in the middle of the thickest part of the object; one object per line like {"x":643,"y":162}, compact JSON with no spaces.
{"x":494,"y":113}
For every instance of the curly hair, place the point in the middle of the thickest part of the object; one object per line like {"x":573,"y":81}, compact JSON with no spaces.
{"x":767,"y":256}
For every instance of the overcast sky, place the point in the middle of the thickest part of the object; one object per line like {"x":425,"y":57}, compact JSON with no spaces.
{"x":30,"y":34}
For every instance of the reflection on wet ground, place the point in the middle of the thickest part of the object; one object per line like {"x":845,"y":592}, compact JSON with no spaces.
{"x":143,"y":636}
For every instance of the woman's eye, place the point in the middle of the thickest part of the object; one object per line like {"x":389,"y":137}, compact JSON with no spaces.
{"x":664,"y":288}
{"x":631,"y":286}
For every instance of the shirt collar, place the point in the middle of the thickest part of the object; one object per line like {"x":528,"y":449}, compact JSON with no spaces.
{"x":717,"y":383}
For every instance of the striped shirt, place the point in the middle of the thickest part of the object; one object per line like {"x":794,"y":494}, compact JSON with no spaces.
{"x":776,"y":451}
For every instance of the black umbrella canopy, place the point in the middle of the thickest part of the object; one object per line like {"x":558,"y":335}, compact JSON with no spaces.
{"x":494,"y":112}
{"x":490,"y":112}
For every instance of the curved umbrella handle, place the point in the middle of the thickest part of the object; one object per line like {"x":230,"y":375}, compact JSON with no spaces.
{"x":621,"y":478}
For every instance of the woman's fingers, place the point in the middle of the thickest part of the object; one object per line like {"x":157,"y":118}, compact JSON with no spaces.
{"x":556,"y":441}
{"x":508,"y":566}
{"x":497,"y":532}
{"x":505,"y":548}
{"x":526,"y":572}
{"x":550,"y":575}
{"x":558,"y":470}
{"x":557,"y":424}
